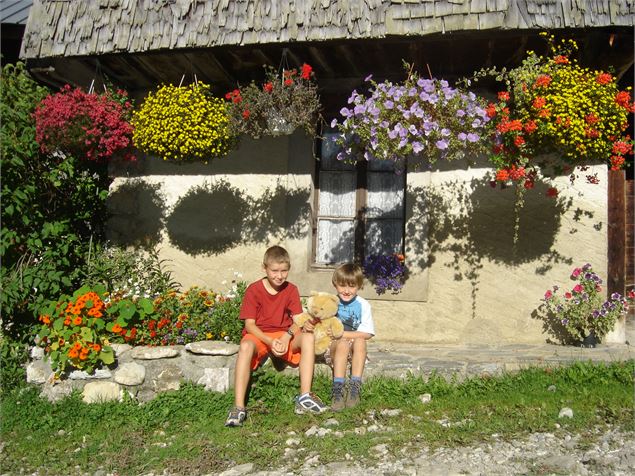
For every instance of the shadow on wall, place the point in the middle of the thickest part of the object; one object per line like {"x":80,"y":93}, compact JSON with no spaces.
{"x":136,"y":214}
{"x":215,"y":217}
{"x":470,"y":224}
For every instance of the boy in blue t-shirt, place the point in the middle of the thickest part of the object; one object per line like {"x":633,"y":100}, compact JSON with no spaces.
{"x":355,"y":313}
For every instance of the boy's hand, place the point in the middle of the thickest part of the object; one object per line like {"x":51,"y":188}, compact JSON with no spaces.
{"x":280,"y":346}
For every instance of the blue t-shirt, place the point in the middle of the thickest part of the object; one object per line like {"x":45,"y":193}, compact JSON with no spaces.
{"x":350,"y":313}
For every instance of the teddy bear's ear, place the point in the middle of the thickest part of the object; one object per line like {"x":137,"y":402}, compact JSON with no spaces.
{"x":334,"y":298}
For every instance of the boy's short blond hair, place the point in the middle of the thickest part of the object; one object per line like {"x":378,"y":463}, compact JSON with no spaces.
{"x":348,"y":274}
{"x":276,"y":254}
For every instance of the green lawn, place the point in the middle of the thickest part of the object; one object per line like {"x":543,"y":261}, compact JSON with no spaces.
{"x":183,"y":431}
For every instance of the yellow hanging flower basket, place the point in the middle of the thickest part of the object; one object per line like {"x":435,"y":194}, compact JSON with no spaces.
{"x":183,"y":123}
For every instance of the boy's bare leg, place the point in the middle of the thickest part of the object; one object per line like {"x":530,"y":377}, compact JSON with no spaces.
{"x":307,"y":359}
{"x":242,"y":372}
{"x":339,"y":356}
{"x":359,"y":357}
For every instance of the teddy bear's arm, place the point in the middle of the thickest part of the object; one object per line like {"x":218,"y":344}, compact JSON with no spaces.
{"x":301,"y":319}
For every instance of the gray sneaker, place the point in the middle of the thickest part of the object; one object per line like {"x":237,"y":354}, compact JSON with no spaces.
{"x":354,"y":393}
{"x":236,"y":417}
{"x":338,"y":401}
{"x":309,"y":403}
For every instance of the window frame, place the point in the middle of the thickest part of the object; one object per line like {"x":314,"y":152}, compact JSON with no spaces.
{"x":361,"y":171}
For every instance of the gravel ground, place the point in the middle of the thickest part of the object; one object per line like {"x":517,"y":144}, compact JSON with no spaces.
{"x":607,"y":452}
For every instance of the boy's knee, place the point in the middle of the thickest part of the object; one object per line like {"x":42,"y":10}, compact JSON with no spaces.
{"x":246,"y":347}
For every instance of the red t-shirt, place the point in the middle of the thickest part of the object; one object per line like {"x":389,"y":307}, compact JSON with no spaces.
{"x":272,"y":312}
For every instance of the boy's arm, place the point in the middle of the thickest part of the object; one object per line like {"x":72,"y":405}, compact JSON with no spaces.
{"x":253,"y":329}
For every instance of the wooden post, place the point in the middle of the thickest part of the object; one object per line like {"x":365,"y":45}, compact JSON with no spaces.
{"x":616,"y":232}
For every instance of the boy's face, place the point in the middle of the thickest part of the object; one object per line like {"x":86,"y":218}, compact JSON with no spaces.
{"x":276,"y":274}
{"x":346,"y":292}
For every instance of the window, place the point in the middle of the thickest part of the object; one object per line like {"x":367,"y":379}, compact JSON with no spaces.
{"x":360,"y":208}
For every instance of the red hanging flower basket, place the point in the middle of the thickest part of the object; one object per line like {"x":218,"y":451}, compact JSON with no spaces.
{"x":88,"y":126}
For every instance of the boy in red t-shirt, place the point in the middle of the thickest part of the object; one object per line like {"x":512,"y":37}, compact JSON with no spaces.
{"x":268,"y":309}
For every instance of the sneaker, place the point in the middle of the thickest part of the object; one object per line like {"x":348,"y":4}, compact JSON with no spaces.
{"x":338,"y":402}
{"x":236,"y":417}
{"x":354,"y":392}
{"x":309,"y":403}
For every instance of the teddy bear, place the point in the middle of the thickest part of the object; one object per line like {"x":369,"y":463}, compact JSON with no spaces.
{"x":322,"y":310}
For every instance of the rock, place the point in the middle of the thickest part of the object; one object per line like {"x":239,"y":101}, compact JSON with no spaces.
{"x":97,"y":392}
{"x":212,"y":347}
{"x":130,"y":374}
{"x":37,"y":353}
{"x":551,"y":388}
{"x":565,"y":412}
{"x":425,"y":398}
{"x":120,"y":349}
{"x":38,"y":371}
{"x":83,"y":375}
{"x":152,"y":353}
{"x":56,"y":390}
{"x":239,"y":470}
{"x":169,"y":379}
{"x":391,"y":412}
{"x":215,"y":380}
{"x":331,"y":422}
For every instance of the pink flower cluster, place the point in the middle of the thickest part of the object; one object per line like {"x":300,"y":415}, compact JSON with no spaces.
{"x":89,"y":126}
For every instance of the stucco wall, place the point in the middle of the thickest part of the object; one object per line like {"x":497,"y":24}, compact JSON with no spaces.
{"x":468,"y":283}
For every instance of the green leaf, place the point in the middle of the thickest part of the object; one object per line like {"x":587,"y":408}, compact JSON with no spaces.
{"x":107,"y":356}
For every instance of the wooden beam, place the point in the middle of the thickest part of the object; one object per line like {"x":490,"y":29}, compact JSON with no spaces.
{"x":616,"y":232}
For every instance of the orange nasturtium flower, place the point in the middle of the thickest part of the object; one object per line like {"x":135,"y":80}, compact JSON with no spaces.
{"x":77,"y":321}
{"x":116,"y":328}
{"x":73,"y":353}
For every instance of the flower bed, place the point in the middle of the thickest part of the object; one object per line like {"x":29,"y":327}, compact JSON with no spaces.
{"x":78,"y":331}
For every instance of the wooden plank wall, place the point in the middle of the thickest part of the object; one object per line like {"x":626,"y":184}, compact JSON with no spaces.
{"x":616,"y":232}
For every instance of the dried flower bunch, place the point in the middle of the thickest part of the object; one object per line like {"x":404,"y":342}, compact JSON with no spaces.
{"x":285,"y":101}
{"x":419,"y":119}
{"x":551,"y":104}
{"x":183,"y":123}
{"x":87,"y":126}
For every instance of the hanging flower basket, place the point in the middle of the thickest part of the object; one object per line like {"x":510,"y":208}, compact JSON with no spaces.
{"x":409,"y":122}
{"x":183,"y":123}
{"x":282,"y":103}
{"x":553,"y":105}
{"x":88,"y":126}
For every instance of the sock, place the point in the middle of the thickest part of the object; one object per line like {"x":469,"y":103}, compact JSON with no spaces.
{"x":338,"y":380}
{"x":356,"y":379}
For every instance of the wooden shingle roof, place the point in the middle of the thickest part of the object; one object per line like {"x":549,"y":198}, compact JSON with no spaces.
{"x":97,"y":27}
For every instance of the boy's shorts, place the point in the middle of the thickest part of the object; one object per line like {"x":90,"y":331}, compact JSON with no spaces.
{"x":292,"y":357}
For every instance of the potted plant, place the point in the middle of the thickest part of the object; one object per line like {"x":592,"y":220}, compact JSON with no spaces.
{"x":582,"y":313}
{"x":87,"y":126}
{"x":183,"y":123}
{"x":285,"y":101}
{"x":409,"y":122}
{"x":387,"y":272}
{"x":553,"y":105}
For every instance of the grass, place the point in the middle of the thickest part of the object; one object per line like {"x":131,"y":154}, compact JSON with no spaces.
{"x":183,"y":431}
